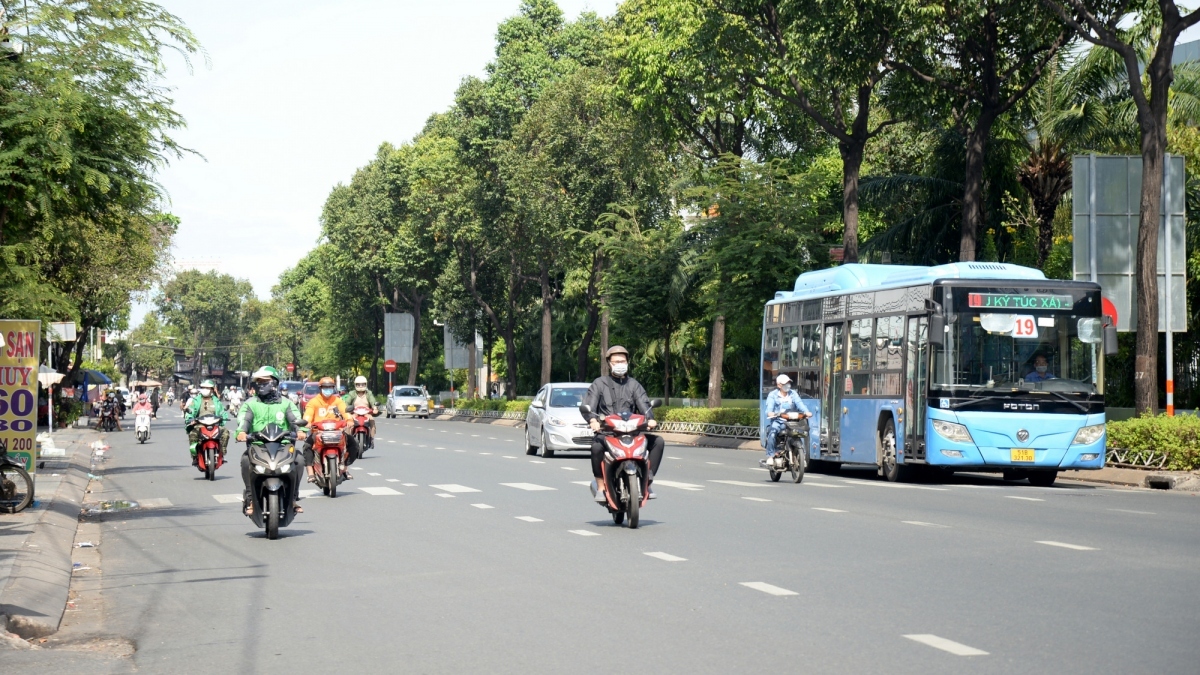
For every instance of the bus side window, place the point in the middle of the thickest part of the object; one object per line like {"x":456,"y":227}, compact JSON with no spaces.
{"x":859,"y":366}
{"x":809,"y":383}
{"x":771,"y":355}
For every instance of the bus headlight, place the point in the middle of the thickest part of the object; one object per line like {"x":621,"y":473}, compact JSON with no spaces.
{"x":952,"y":432}
{"x":1088,"y":456}
{"x":1088,"y":435}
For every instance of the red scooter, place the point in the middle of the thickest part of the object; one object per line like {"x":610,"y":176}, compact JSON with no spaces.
{"x":626,"y":467}
{"x":208,"y":448}
{"x":361,"y":431}
{"x":329,"y":450}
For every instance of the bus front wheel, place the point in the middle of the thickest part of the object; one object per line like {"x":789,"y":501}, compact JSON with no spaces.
{"x":890,"y":465}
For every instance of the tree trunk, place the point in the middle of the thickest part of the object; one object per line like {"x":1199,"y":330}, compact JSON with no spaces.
{"x":972,"y":205}
{"x":667,"y":367}
{"x":1145,"y":378}
{"x":852,"y":156}
{"x":604,"y":340}
{"x":547,"y":325}
{"x":593,"y":311}
{"x":716,"y":362}
{"x":510,"y":357}
{"x":416,"y":346}
{"x":472,"y":370}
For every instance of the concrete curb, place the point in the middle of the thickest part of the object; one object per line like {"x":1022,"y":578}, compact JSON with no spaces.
{"x":36,"y":594}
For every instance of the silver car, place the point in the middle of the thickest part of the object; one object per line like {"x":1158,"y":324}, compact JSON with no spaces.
{"x":407,"y":399}
{"x":554,"y":424}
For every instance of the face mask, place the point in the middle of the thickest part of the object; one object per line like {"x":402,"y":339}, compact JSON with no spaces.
{"x":619,"y":369}
{"x":266,"y":388}
{"x":328,"y":391}
{"x":360,"y":388}
{"x":206,"y":392}
{"x":1041,"y":369}
{"x":787,"y":387}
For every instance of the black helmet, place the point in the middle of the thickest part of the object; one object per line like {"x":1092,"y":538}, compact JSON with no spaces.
{"x":616,"y":349}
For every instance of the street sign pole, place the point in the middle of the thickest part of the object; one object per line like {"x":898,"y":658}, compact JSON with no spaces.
{"x":1170,"y":341}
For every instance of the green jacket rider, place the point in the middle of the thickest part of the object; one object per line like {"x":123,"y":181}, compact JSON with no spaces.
{"x":267,"y":406}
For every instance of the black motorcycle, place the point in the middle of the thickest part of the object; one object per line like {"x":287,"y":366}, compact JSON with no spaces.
{"x":108,"y":416}
{"x":276,"y":468}
{"x":791,"y":443}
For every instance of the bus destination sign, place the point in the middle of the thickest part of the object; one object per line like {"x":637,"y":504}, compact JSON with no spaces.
{"x":1020,"y":301}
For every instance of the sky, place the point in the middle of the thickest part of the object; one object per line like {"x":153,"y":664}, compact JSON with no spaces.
{"x":290,"y":98}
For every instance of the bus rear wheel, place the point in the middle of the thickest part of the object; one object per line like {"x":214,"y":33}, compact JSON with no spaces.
{"x":890,"y":467}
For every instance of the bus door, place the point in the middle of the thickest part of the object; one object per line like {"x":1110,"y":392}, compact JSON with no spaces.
{"x":915,"y":384}
{"x":833,"y":367}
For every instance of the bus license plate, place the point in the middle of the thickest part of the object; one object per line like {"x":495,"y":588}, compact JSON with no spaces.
{"x":1022,"y":454}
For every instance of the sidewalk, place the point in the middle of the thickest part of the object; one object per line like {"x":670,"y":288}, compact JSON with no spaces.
{"x":35,"y":545}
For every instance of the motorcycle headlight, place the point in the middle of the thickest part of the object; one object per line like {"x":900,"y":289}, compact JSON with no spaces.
{"x":286,"y":467}
{"x":259,"y":468}
{"x":1088,"y":435}
{"x":952,"y":432}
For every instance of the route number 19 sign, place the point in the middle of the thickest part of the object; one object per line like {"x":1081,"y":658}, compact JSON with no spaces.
{"x":18,"y":389}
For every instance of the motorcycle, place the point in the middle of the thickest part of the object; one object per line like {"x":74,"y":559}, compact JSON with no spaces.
{"x":141,"y":426}
{"x":362,"y":430}
{"x":792,"y":455}
{"x":329,"y":455}
{"x":626,"y":469}
{"x":208,"y":448}
{"x":276,"y":467}
{"x":108,"y":417}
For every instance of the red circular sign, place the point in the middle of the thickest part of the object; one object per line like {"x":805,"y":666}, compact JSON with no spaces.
{"x":1109,"y":309}
{"x":389,"y":366}
{"x":290,"y":367}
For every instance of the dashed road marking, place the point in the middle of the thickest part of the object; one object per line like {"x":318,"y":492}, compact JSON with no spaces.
{"x":537,"y":461}
{"x":509,"y":457}
{"x":1073,"y":547}
{"x":456,"y":450}
{"x":665,"y":556}
{"x":585,"y":483}
{"x":483,"y":506}
{"x":922,"y":523}
{"x":568,"y":468}
{"x":491,"y":438}
{"x":307,"y":494}
{"x":820,"y":508}
{"x":393,"y":480}
{"x":894,"y":485}
{"x":454,"y":487}
{"x":1027,"y":499}
{"x":443,"y":494}
{"x":529,"y":519}
{"x":1140,"y":513}
{"x":356,"y":468}
{"x":670,"y":457}
{"x":767,"y":588}
{"x":474,"y":435}
{"x":439,"y":448}
{"x":716,"y":463}
{"x":379,"y":491}
{"x":485,"y":453}
{"x":391,"y":441}
{"x":681,"y":486}
{"x":754,"y":499}
{"x":530,"y":487}
{"x":154,"y":503}
{"x":826,"y":485}
{"x":409,"y":484}
{"x":741,"y":483}
{"x":956,"y":648}
{"x":372,"y":474}
{"x":584,"y":533}
{"x":227,"y":499}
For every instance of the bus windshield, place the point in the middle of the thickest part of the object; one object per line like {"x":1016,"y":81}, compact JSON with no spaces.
{"x":994,"y":342}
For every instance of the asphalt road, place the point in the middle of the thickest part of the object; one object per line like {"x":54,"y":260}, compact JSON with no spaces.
{"x":453,"y":551}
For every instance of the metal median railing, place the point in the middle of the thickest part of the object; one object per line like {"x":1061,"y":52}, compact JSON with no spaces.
{"x":497,"y":414}
{"x":1136,"y":459}
{"x":704,"y":429}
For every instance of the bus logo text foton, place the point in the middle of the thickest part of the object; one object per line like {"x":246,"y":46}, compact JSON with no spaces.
{"x":1027,"y":407}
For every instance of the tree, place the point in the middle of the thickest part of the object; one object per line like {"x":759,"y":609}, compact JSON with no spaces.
{"x":1117,"y":26}
{"x":982,"y":59}
{"x":205,"y":307}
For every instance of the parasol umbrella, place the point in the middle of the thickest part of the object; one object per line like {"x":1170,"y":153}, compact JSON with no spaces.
{"x":146,"y":383}
{"x":48,"y":376}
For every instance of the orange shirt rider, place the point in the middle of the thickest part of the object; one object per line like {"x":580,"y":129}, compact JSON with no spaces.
{"x":323,"y":408}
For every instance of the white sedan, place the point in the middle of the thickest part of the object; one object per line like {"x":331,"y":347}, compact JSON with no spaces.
{"x":408,"y":400}
{"x":554,"y":424}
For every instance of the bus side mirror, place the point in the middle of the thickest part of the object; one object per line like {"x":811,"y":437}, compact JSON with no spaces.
{"x":1110,"y":338}
{"x":937,"y":329}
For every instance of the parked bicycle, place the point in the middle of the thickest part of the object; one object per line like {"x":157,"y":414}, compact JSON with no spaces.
{"x":16,"y":485}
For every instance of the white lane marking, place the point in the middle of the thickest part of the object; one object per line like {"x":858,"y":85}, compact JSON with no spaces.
{"x":458,"y":433}
{"x":406,"y":444}
{"x":454,"y":487}
{"x":443,"y":494}
{"x":767,"y":588}
{"x":305,"y":494}
{"x":955,"y":648}
{"x":391,"y":441}
{"x":393,"y":480}
{"x":456,"y":450}
{"x":439,"y":448}
{"x":529,"y":519}
{"x":372,"y":474}
{"x":378,"y":491}
{"x":477,"y":435}
{"x":154,"y":503}
{"x":1073,"y":547}
{"x":716,"y":463}
{"x":409,"y":484}
{"x":754,"y":499}
{"x":568,"y":468}
{"x":819,"y":508}
{"x":665,"y":556}
{"x":483,"y":506}
{"x":227,"y":499}
{"x":510,"y":440}
{"x":584,"y":533}
{"x":492,"y":438}
{"x":443,"y":431}
{"x":1140,"y":513}
{"x":681,"y":486}
{"x":922,"y":523}
{"x":828,"y":485}
{"x":531,"y":487}
{"x":485,"y":453}
{"x":536,"y":461}
{"x":980,"y":487}
{"x":509,"y":457}
{"x":894,"y":485}
{"x":587,"y":483}
{"x":1028,"y":499}
{"x":356,"y":468}
{"x":742,"y":483}
{"x":670,"y":457}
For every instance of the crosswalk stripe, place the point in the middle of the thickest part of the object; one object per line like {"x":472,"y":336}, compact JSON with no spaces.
{"x":378,"y":491}
{"x":530,"y":487}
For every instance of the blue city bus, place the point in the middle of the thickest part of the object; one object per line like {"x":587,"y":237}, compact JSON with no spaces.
{"x":911,"y":369}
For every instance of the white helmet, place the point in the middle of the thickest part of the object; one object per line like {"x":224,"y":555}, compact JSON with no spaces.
{"x":782,"y":379}
{"x":360,"y":380}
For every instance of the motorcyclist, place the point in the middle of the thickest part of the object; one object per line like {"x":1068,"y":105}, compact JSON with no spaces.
{"x":779,"y":401}
{"x":614,"y":394}
{"x":154,"y":398}
{"x":267,"y":406}
{"x":110,"y":406}
{"x":362,"y":396}
{"x":205,"y":402}
{"x":235,"y":399}
{"x":143,"y":405}
{"x":325,"y":406}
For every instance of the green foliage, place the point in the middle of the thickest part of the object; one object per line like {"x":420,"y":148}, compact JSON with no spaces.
{"x":1178,"y":437}
{"x":488,"y":404}
{"x":741,"y":416}
{"x":66,"y":411}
